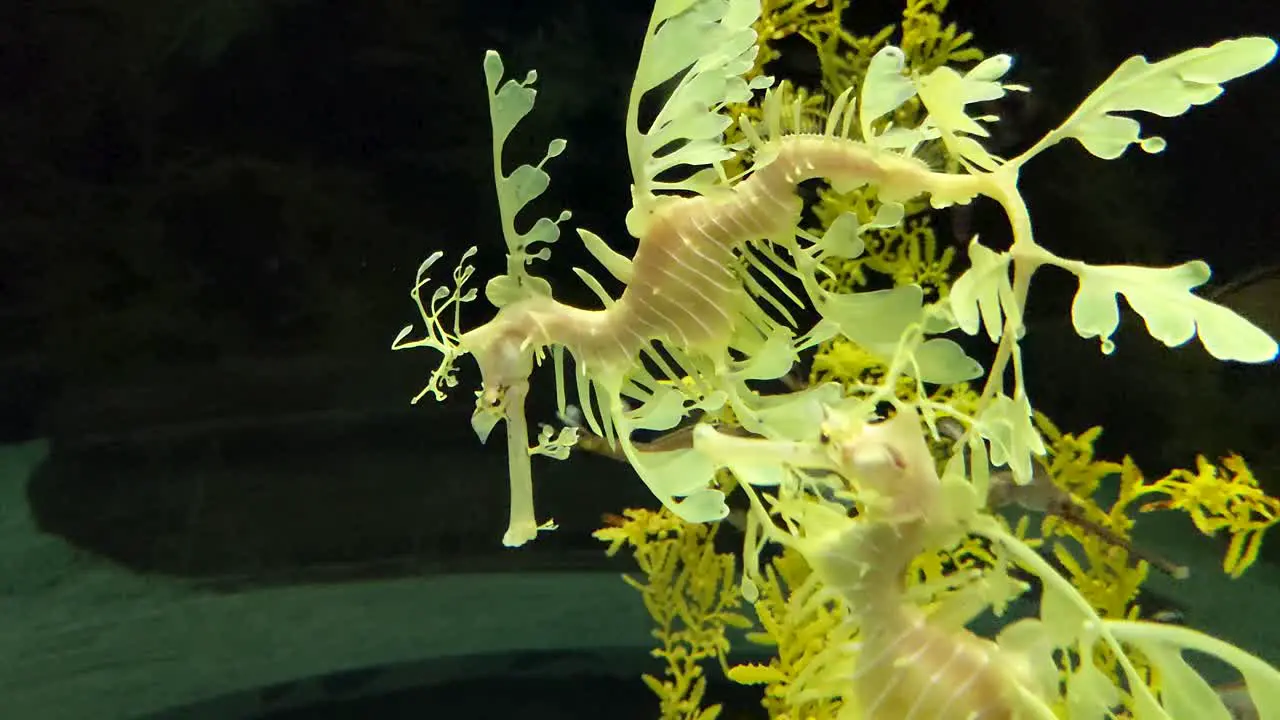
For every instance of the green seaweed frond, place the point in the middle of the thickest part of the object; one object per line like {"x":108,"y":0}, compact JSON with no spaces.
{"x":1072,"y":458}
{"x":781,"y":19}
{"x":1109,"y":578}
{"x":929,"y":43}
{"x":806,"y":628}
{"x":1223,"y":496}
{"x":692,"y":594}
{"x":906,"y":254}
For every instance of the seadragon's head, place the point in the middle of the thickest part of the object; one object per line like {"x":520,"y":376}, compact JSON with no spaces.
{"x":502,"y":351}
{"x":889,"y":460}
{"x":503,"y":347}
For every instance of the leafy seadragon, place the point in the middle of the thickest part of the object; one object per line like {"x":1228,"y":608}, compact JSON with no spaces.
{"x":687,"y":291}
{"x":912,"y":655}
{"x":692,"y":308}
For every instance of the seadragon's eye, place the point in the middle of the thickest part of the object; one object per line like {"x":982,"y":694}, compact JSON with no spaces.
{"x":496,"y":398}
{"x":493,"y":398}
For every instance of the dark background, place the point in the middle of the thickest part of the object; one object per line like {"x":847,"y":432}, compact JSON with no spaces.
{"x":211,"y":214}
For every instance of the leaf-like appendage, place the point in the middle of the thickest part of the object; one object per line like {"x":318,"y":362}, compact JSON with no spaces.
{"x":979,"y":294}
{"x":1184,"y":693}
{"x":616,"y":263}
{"x":1173,"y":315}
{"x":441,"y":308}
{"x":1167,"y":88}
{"x":681,"y":479}
{"x":946,"y":93}
{"x":843,"y":238}
{"x":1007,"y":426}
{"x":1090,"y":692}
{"x":795,"y":415}
{"x":708,"y":45}
{"x":1028,"y":639}
{"x":555,"y":445}
{"x":773,"y":359}
{"x":875,"y":320}
{"x":884,"y":89}
{"x":508,"y":105}
{"x":942,"y":362}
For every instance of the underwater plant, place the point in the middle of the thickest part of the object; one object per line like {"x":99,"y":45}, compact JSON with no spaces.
{"x":691,"y":591}
{"x":706,"y":314}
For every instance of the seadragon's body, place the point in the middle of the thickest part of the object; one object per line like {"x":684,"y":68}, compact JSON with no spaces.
{"x":910,"y":664}
{"x":686,"y":292}
{"x":909,"y":667}
{"x":684,"y":288}
{"x":907,"y":663}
